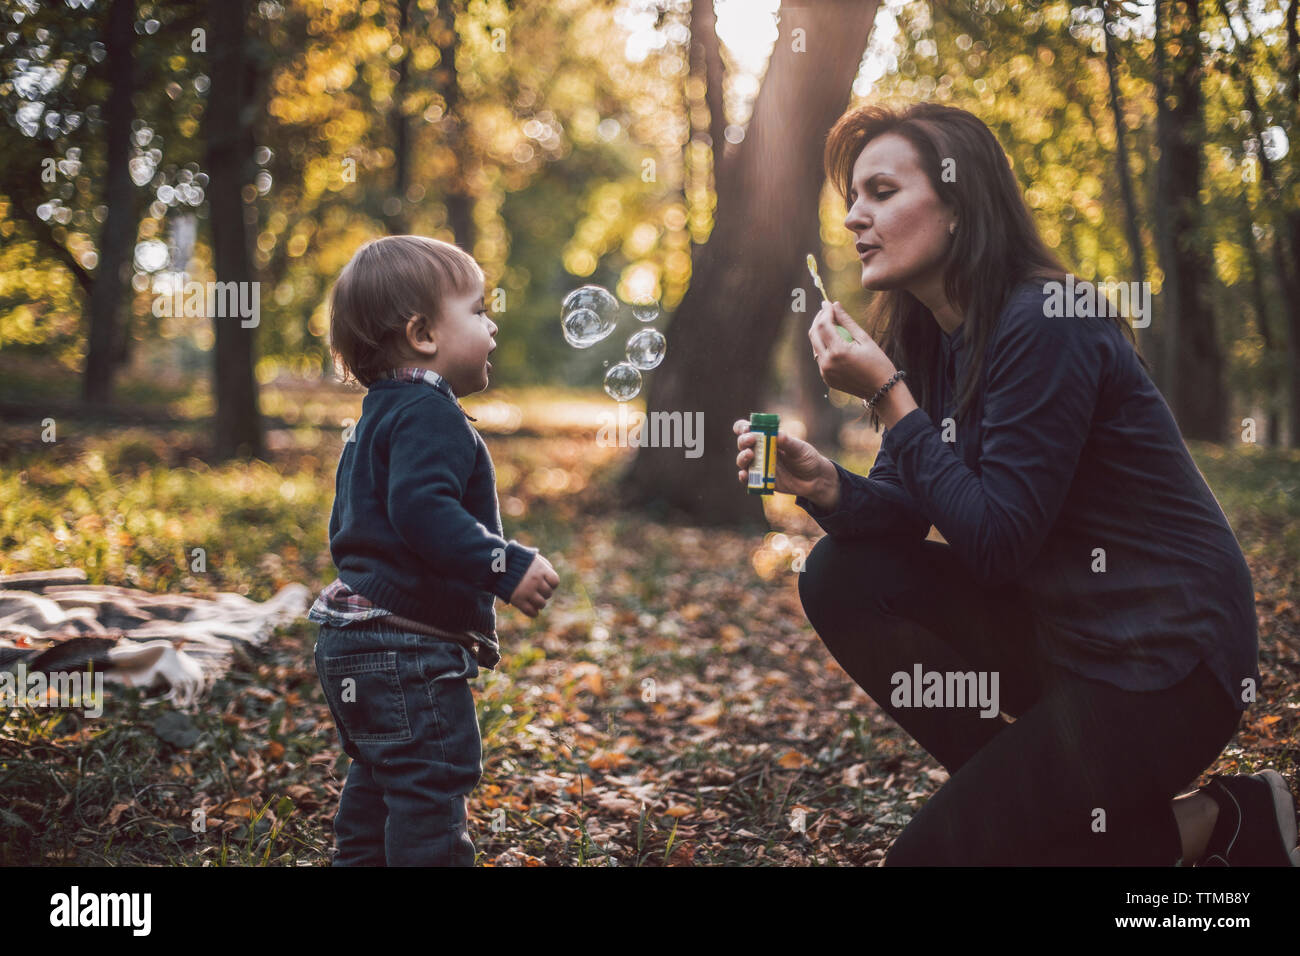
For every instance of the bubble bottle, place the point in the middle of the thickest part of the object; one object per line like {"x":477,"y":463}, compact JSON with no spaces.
{"x":762,"y":471}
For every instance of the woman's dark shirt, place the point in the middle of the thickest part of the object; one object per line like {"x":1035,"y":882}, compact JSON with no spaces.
{"x":1069,"y":458}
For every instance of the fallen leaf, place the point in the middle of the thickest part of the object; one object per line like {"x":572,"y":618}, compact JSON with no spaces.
{"x":236,"y":808}
{"x":708,"y":717}
{"x":606,"y":760}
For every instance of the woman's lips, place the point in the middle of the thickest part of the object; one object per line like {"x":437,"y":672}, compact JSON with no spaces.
{"x":863,"y":256}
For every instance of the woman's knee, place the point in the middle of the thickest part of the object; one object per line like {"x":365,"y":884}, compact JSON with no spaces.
{"x":857,"y":575}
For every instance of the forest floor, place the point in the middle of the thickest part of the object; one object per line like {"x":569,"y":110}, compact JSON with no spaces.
{"x":671,"y":705}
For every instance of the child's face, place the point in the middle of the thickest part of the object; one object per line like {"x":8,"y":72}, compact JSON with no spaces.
{"x":465,"y":335}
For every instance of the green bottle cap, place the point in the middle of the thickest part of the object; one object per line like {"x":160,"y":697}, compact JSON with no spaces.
{"x":764,"y":420}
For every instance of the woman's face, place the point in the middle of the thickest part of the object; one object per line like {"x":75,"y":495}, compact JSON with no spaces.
{"x":899,"y":222}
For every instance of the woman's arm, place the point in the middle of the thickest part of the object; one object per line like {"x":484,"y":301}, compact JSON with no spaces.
{"x":1043,"y":378}
{"x":866,"y":506}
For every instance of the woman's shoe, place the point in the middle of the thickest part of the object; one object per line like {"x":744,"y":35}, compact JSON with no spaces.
{"x":1256,"y":824}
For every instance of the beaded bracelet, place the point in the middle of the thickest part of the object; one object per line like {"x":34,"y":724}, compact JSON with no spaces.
{"x":870,"y":404}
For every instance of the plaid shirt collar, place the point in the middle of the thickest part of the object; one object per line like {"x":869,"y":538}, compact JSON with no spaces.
{"x":421,"y":375}
{"x":430,"y":378}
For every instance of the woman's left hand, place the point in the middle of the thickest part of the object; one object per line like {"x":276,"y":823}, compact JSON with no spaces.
{"x":859,"y":367}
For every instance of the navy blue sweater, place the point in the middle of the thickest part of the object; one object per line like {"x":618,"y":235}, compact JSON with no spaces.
{"x":1070,"y":448}
{"x":416,"y":527}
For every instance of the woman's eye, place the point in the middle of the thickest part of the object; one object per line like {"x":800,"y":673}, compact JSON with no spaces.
{"x":885,"y":193}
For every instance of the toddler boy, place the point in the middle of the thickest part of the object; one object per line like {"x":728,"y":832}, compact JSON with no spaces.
{"x":416,"y":536}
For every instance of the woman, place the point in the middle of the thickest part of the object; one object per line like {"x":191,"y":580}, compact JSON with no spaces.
{"x":1089,"y":581}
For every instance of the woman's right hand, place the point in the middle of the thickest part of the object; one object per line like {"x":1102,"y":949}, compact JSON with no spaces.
{"x":800,"y":468}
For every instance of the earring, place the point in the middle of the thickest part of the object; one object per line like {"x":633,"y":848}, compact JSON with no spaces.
{"x":952,"y":228}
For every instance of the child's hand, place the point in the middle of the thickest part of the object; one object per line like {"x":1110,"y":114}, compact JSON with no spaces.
{"x":536,"y":587}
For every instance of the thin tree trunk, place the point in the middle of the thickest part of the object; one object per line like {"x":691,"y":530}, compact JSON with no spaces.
{"x":230,"y":164}
{"x":457,"y":196}
{"x":1259,"y":305}
{"x":397,"y":221}
{"x":721,"y":338}
{"x":1293,"y":225}
{"x":1166,"y":338}
{"x":115,"y":239}
{"x":1137,"y":256}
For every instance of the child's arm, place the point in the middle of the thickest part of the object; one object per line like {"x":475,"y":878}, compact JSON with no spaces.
{"x":430,"y":460}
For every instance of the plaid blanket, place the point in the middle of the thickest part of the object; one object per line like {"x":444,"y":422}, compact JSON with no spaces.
{"x":56,"y":621}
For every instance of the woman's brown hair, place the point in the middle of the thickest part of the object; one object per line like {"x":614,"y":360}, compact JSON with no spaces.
{"x":995,"y":248}
{"x":387,"y":281}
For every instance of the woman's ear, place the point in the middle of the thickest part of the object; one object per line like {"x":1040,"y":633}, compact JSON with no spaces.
{"x":420,"y":335}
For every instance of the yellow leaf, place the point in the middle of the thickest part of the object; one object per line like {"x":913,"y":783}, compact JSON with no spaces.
{"x":605,"y":760}
{"x":793,"y":760}
{"x":236,"y":808}
{"x":579,"y":786}
{"x":708,"y":717}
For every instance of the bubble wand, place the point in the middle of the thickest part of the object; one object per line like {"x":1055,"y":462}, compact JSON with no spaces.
{"x":817,"y":279}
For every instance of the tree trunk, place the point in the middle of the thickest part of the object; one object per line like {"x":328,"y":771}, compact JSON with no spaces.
{"x":395,"y":216}
{"x":116,"y":238}
{"x":1163,"y":334}
{"x":1194,"y":384}
{"x":1132,"y":214}
{"x":721,"y":338}
{"x":457,"y":196}
{"x":1259,"y":305}
{"x":706,"y":63}
{"x":1274,"y":196}
{"x":1293,"y":225}
{"x":230,"y":164}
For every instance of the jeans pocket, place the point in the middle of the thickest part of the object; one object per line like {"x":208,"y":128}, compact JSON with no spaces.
{"x":447,"y":660}
{"x":364,"y":691}
{"x":447,"y":669}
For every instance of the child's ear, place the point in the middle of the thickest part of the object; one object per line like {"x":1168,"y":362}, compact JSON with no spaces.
{"x":419,"y":335}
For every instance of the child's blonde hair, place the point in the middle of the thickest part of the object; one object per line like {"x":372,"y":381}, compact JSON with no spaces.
{"x":387,"y":281}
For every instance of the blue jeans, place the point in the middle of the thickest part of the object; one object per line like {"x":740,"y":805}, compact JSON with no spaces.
{"x":405,"y":715}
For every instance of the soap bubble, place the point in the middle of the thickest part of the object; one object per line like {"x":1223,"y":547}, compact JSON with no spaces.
{"x":645,"y":349}
{"x":588,"y":315}
{"x":583,"y":328}
{"x":623,"y":382}
{"x":646,"y":311}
